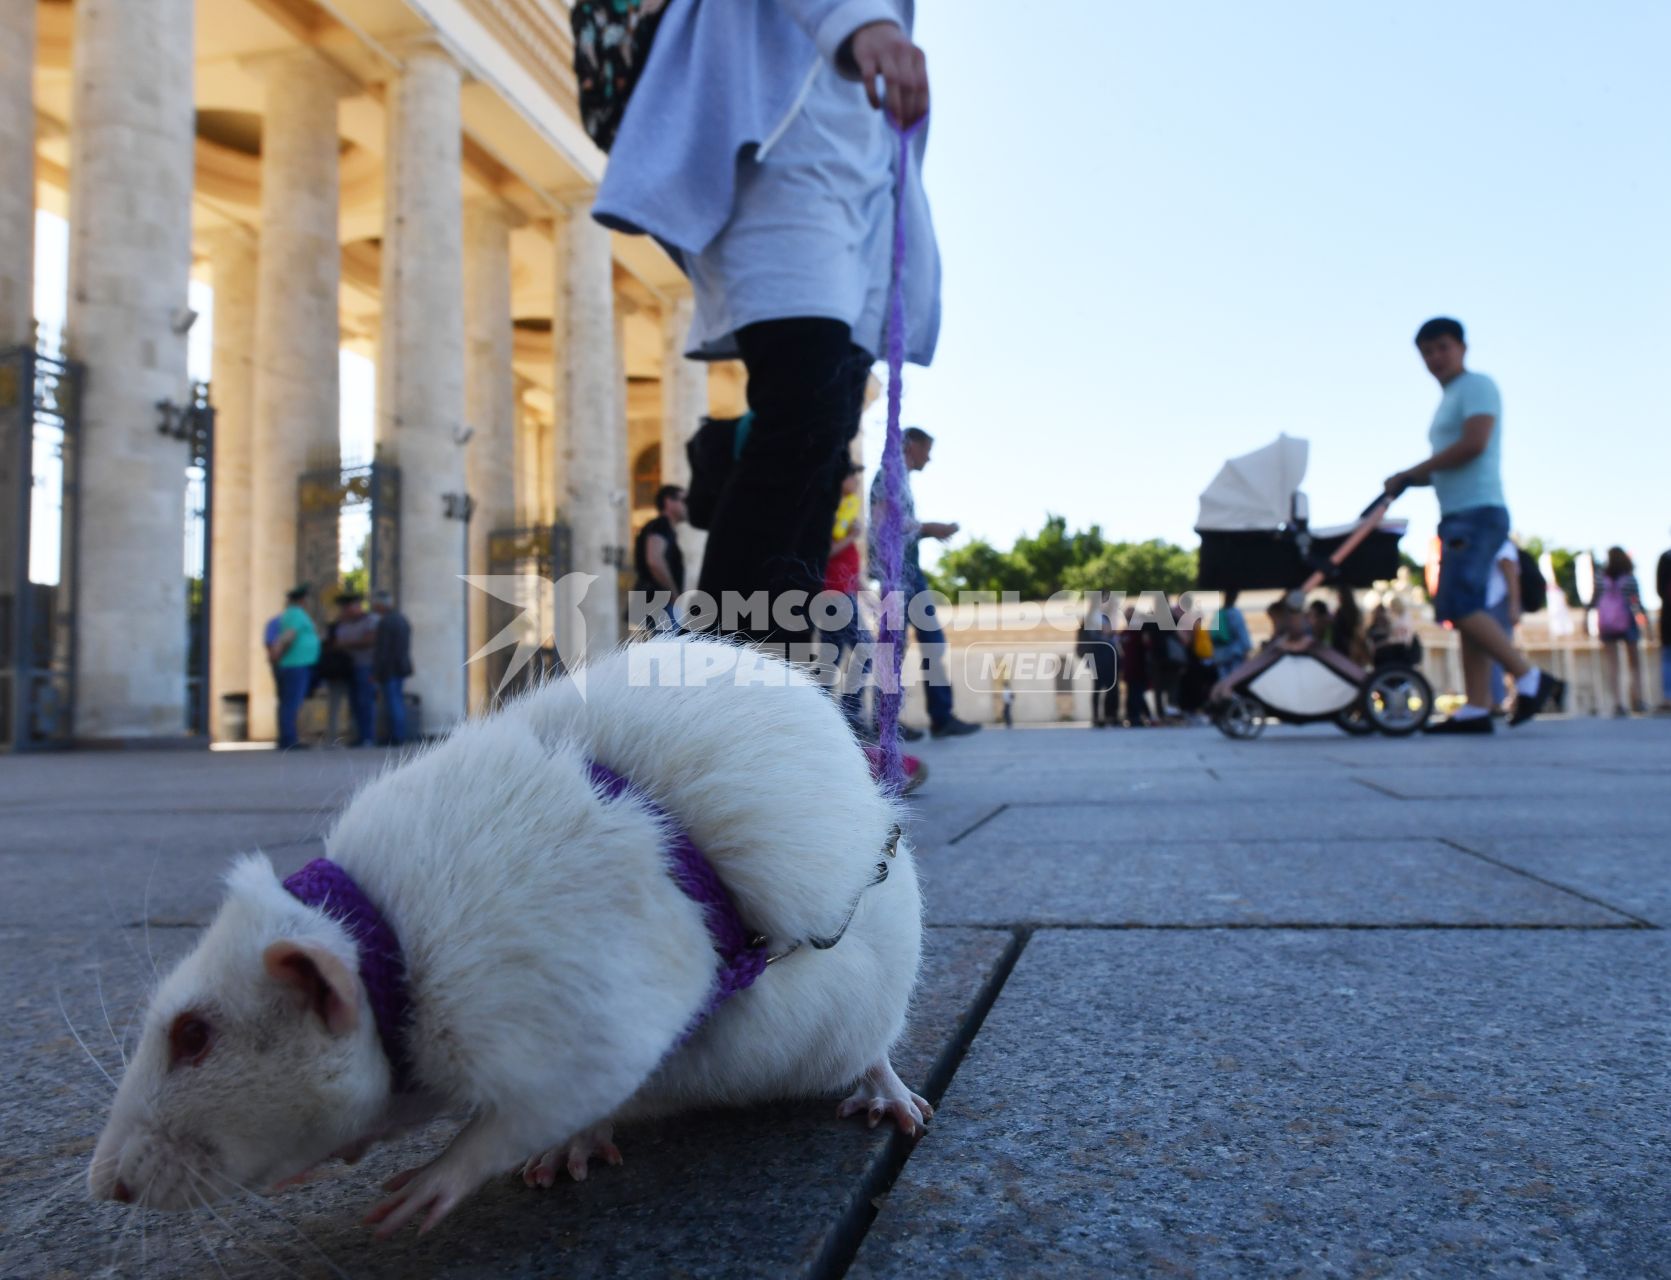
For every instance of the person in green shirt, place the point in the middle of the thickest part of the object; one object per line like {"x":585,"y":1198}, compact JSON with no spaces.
{"x":293,"y":647}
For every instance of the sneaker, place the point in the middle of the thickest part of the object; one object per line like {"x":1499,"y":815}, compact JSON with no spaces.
{"x":1551,"y":692}
{"x":952,"y":727}
{"x":1468,"y":724}
{"x":908,"y":733}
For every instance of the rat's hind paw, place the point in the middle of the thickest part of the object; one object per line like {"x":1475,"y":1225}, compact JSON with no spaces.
{"x":575,"y":1154}
{"x":881,"y":1094}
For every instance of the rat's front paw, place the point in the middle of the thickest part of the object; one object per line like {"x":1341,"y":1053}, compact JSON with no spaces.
{"x":883,"y":1095}
{"x":576,"y":1154}
{"x":437,"y":1187}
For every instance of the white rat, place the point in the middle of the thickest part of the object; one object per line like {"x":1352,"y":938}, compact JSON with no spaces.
{"x":553,"y":967}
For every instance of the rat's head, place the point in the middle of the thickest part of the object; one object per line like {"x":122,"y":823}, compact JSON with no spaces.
{"x":259,"y":1057}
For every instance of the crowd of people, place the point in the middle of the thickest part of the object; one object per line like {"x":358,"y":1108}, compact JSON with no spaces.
{"x":777,"y":191}
{"x":363,"y":657}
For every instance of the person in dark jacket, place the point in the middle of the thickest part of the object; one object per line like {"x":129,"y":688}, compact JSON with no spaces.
{"x":1662,"y":578}
{"x":391,"y":663}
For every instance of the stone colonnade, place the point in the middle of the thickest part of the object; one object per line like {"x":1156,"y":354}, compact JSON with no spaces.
{"x":448,"y":400}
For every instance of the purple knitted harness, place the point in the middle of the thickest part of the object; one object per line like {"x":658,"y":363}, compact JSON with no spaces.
{"x":742,"y":953}
{"x":323,"y":884}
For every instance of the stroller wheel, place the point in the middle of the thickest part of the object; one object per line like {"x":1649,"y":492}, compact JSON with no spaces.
{"x":1239,"y":718}
{"x":1355,"y":720}
{"x":1397,"y":700}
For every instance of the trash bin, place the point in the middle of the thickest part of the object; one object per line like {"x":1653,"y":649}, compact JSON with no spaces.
{"x":234,"y":717}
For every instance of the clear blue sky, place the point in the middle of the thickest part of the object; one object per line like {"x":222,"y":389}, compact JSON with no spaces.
{"x":1172,"y":230}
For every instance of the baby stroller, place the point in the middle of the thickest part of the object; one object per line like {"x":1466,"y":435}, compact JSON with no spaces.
{"x":1255,"y":534}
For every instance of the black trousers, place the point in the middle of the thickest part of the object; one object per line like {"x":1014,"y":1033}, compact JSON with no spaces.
{"x":771,"y":527}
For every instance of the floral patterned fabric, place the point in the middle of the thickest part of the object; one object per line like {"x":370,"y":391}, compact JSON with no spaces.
{"x":611,"y":42}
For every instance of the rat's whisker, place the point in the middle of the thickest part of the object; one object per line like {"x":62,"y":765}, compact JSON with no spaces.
{"x":98,"y":983}
{"x":59,"y":1189}
{"x":146,"y":909}
{"x":262,"y":1202}
{"x":79,"y":1040}
{"x":203,"y":1177}
{"x":204,"y":1235}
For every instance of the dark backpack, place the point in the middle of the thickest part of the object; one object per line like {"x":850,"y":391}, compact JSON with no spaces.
{"x":611,"y":45}
{"x":712,"y":451}
{"x":1534,"y":591}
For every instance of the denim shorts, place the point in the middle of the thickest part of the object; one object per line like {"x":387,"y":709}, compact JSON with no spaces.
{"x":1468,"y":545}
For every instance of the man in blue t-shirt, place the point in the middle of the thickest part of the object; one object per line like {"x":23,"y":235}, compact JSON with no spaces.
{"x":1465,"y":470}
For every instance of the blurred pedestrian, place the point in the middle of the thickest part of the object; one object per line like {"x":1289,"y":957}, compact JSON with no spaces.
{"x":1097,"y":645}
{"x":1346,"y":630}
{"x":931,"y":641}
{"x":658,"y":563}
{"x":1320,"y":621}
{"x":356,"y":636}
{"x":1502,"y":602}
{"x":294,"y":652}
{"x":1465,"y":470}
{"x":336,"y":672}
{"x":391,"y":664}
{"x":1231,"y":641}
{"x":843,"y":575}
{"x":1134,"y":669}
{"x":773,"y":184}
{"x":1619,"y":617}
{"x":1662,"y":584}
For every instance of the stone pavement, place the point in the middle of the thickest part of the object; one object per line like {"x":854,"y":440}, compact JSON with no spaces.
{"x":1310,"y":1005}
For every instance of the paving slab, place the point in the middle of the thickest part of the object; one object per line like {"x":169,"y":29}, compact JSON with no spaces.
{"x":1303,"y":1103}
{"x":777,"y":1191}
{"x":1004,"y":875}
{"x":1630,"y":870}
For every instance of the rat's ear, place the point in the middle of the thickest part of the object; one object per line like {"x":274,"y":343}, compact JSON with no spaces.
{"x":327,"y":985}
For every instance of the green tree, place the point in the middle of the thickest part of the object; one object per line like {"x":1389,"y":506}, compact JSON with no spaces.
{"x":1059,"y":559}
{"x":1135,"y":567}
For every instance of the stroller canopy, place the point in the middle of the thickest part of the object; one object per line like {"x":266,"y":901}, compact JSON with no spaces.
{"x":1256,"y":490}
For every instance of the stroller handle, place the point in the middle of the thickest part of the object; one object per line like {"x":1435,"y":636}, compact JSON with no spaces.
{"x":1366,"y":523}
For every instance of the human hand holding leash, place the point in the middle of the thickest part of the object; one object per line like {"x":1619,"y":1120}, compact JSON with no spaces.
{"x":883,"y":49}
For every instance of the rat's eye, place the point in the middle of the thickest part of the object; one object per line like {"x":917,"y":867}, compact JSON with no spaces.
{"x":188,"y":1040}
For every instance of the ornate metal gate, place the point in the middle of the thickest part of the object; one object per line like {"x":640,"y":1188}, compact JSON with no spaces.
{"x":39,"y":421}
{"x":335,"y":505}
{"x":537,"y":555}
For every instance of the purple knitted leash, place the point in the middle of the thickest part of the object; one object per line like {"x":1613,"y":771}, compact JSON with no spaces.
{"x":890,"y":534}
{"x":323,"y":884}
{"x":741,"y":960}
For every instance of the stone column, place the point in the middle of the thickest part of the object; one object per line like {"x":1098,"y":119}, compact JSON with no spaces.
{"x":297,"y":342}
{"x":420,"y":410}
{"x":17,"y":175}
{"x":131,"y":151}
{"x":489,"y":401}
{"x":528,"y":475}
{"x":684,"y":398}
{"x":17,"y":253}
{"x":234,"y":265}
{"x":591,"y":435}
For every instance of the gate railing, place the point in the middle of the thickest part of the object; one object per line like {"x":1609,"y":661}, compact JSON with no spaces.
{"x":39,"y":420}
